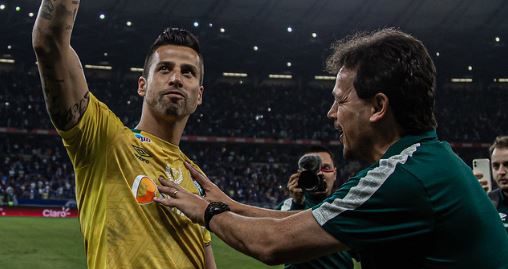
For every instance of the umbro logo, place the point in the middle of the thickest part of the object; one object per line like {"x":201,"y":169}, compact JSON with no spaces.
{"x":141,"y":154}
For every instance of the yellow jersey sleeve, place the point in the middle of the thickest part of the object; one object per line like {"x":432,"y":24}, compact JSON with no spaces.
{"x":92,"y":134}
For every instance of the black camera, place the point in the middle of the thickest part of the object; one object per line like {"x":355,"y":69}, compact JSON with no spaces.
{"x":309,"y":180}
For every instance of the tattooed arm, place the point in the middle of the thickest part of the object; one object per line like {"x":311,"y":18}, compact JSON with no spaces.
{"x":63,"y":81}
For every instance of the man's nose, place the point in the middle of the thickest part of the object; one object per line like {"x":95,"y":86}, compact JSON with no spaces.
{"x":331,"y":113}
{"x":176,"y":79}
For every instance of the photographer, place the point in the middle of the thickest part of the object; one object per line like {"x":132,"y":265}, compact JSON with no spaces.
{"x":325,"y":175}
{"x":305,"y":195}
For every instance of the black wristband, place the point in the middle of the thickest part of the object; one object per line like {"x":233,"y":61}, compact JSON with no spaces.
{"x":213,"y":209}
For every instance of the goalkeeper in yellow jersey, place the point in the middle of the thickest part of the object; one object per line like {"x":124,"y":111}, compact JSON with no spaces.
{"x":118,"y":169}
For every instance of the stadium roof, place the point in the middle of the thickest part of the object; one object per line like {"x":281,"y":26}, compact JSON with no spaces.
{"x":462,"y":31}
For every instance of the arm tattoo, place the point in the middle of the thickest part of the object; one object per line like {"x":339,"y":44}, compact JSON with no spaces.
{"x":65,"y":119}
{"x":47,"y":10}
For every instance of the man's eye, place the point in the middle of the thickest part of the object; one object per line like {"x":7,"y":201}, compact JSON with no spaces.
{"x":188,"y":73}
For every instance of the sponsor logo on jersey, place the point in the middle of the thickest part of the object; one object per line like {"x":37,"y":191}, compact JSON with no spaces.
{"x":142,"y":138}
{"x":141,"y":154}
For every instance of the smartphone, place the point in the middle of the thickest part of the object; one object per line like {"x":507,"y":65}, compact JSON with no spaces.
{"x":483,"y":166}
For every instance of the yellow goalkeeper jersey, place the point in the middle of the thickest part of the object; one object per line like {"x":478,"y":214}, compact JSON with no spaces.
{"x":117,"y":170}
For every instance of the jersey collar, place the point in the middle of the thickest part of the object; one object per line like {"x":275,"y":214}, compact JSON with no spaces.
{"x":408,"y":140}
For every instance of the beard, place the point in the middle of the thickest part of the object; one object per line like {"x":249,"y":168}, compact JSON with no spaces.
{"x":173,"y":107}
{"x":165,"y":107}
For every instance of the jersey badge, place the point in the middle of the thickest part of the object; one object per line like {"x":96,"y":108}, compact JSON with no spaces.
{"x":174,"y":174}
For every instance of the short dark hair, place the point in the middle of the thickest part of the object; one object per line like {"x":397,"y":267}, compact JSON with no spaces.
{"x":319,"y":148}
{"x":178,"y":37}
{"x":394,"y":63}
{"x":500,"y":142}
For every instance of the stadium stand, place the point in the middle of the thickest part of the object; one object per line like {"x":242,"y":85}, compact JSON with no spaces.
{"x":248,"y":142}
{"x":243,"y":110}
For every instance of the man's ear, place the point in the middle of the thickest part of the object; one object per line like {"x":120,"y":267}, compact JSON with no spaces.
{"x":380,"y":106}
{"x":200,"y":95}
{"x":141,"y":86}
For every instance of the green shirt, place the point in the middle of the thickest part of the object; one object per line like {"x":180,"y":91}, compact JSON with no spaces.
{"x":501,"y":206}
{"x":419,"y":206}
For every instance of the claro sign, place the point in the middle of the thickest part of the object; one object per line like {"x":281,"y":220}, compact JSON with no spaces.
{"x":52,"y":213}
{"x":47,"y":212}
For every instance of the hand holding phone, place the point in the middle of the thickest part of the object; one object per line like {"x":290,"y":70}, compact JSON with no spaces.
{"x":481,"y":169}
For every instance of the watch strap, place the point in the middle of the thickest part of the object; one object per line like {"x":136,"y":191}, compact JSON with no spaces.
{"x":214,"y":208}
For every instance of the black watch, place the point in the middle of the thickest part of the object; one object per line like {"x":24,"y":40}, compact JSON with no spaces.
{"x":213,"y":209}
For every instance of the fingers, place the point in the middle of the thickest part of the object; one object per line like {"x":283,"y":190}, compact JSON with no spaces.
{"x":293,"y":186}
{"x":169,"y":183}
{"x":294,"y":177}
{"x":484,"y":183}
{"x":168,"y":187}
{"x":167,"y":195}
{"x":478,"y":175}
{"x":165,"y":201}
{"x":170,"y":192}
{"x":293,"y":183}
{"x":200,"y":178}
{"x":293,"y":180}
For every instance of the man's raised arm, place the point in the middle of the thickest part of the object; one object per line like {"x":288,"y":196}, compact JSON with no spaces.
{"x":62,"y":77}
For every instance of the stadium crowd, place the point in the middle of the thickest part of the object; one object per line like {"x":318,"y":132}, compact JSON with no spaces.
{"x":34,"y":168}
{"x":37,"y":167}
{"x":244,"y":110}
